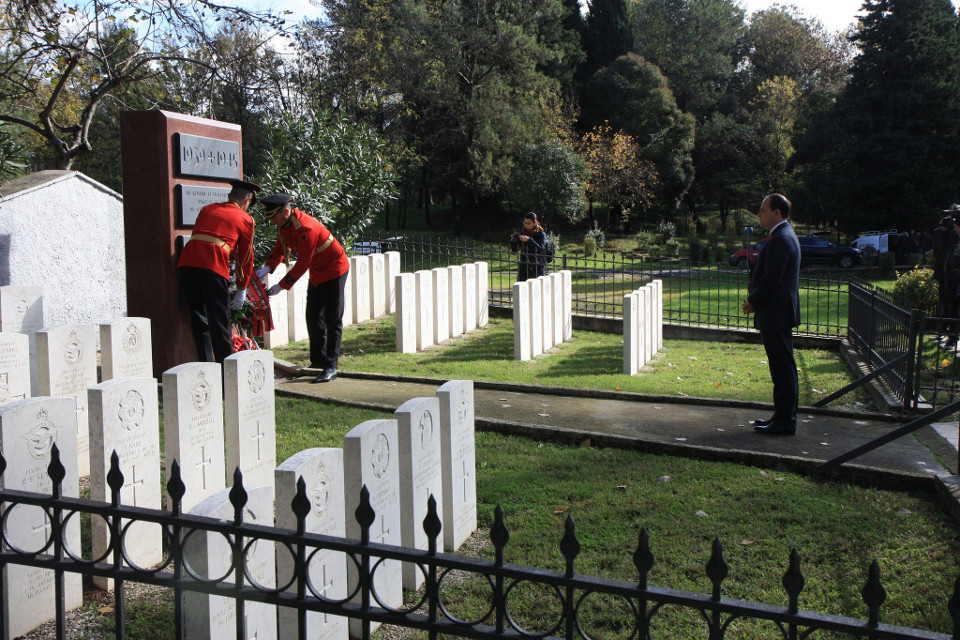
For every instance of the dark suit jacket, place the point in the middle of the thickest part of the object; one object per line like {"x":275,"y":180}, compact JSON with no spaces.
{"x":775,"y":281}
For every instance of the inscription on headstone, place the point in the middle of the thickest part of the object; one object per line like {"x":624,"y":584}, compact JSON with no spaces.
{"x":126,"y":349}
{"x":21,"y":311}
{"x":424,"y":284}
{"x":14,"y":367}
{"x":406,"y":288}
{"x":250,"y":416}
{"x":378,"y":285}
{"x":458,"y":451}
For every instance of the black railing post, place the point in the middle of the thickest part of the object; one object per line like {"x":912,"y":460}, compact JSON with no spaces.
{"x":365,"y":516}
{"x":115,"y":482}
{"x":57,"y":473}
{"x":499,"y":535}
{"x":914,"y":356}
{"x":570,"y":548}
{"x":175,"y":492}
{"x":301,"y":508}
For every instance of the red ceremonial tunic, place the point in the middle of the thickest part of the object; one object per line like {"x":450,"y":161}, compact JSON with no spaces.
{"x":222,"y":231}
{"x":316,"y":249}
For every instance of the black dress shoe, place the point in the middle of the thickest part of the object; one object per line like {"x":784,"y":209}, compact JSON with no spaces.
{"x":760,"y":422}
{"x":328,"y":374}
{"x":776,"y":429}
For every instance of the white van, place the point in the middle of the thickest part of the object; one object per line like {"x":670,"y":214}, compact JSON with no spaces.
{"x":874,"y":242}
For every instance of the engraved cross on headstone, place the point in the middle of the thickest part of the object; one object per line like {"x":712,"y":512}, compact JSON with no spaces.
{"x":384,"y":532}
{"x":203,"y":465}
{"x":43,"y":527}
{"x":259,"y":436}
{"x":464,"y":477}
{"x":326,"y":587}
{"x":134,"y":482}
{"x":246,"y":625}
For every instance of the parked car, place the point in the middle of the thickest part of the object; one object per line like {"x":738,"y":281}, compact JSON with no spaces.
{"x":816,"y":250}
{"x":363,"y":248}
{"x":745,"y":258}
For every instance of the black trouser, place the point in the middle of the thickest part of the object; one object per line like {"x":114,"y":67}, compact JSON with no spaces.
{"x":778,"y":343}
{"x":207,"y":298}
{"x":529,"y":268}
{"x":325,"y":321}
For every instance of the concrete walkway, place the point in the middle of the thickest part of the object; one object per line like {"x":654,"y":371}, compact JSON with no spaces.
{"x":680,"y":426}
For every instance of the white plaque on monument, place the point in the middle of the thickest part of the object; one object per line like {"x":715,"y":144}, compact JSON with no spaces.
{"x":455,"y":299}
{"x":392,"y":271}
{"x":441,"y":305}
{"x":126,"y":349}
{"x":406,"y":288}
{"x":28,"y":429}
{"x":210,"y":557}
{"x":67,"y":367}
{"x":458,"y":451}
{"x":124,"y":418}
{"x":250,"y":428}
{"x":14,"y":367}
{"x":193,"y":428}
{"x":483,"y":294}
{"x":360,"y":275}
{"x":418,"y":431}
{"x":322,"y":473}
{"x":280,"y":335}
{"x":424,"y":282}
{"x":370,"y":458}
{"x":521,"y":320}
{"x":378,"y":285}
{"x":469,"y":297}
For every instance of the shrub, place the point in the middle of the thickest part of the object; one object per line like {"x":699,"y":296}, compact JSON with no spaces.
{"x":645,"y":240}
{"x":720,"y":253}
{"x":667,"y":230}
{"x":919,"y":288}
{"x":589,"y":246}
{"x":887,"y":263}
{"x":698,"y":251}
{"x":655,"y":252}
{"x":597,"y":234}
{"x":671,"y":248}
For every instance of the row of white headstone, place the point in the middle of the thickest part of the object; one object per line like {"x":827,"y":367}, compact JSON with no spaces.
{"x":435,"y":305}
{"x":369,"y":293}
{"x":428,"y":449}
{"x":642,"y":326}
{"x":542,"y":314}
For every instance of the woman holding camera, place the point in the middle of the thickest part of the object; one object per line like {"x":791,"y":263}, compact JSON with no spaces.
{"x":530,"y":243}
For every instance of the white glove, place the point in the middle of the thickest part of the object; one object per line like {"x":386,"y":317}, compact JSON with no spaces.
{"x":274,"y":290}
{"x":238,"y":299}
{"x":262,"y":272}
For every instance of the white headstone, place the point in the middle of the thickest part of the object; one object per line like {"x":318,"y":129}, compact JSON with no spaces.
{"x":418,"y":431}
{"x":210,"y":556}
{"x":658,"y":307}
{"x":441,"y":305}
{"x":297,"y":309}
{"x":193,"y":428}
{"x":360,"y":275}
{"x":280,"y":335}
{"x":250,"y":428}
{"x":648,"y":320}
{"x":458,"y":451}
{"x":546,"y":285}
{"x":126,"y":349}
{"x":28,"y":428}
{"x":469,"y":297}
{"x":455,"y":299}
{"x":567,"y":304}
{"x":370,"y":458}
{"x":536,"y":317}
{"x":14,"y":367}
{"x":630,"y":330}
{"x":483,"y":294}
{"x":67,"y":367}
{"x":642,"y":325}
{"x":348,"y":302}
{"x":521,"y":320}
{"x":322,"y":473}
{"x":406,"y":288}
{"x":21,"y":311}
{"x":558,"y":313}
{"x":124,"y":418}
{"x":378,"y":285}
{"x":392,"y":271}
{"x":424,"y":282}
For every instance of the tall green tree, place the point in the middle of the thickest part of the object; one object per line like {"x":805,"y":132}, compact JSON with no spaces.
{"x":892,"y":156}
{"x":608,"y":33}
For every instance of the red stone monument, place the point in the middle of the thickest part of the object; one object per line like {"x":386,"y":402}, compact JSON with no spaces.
{"x":173,"y":165}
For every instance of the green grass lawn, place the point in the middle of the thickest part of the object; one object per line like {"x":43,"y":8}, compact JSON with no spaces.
{"x":591,"y":361}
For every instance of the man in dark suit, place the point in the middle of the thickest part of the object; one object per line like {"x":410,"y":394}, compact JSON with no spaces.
{"x":773,"y":298}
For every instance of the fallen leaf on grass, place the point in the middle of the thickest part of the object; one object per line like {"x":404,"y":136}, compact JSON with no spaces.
{"x":105,"y":610}
{"x":718,"y":384}
{"x":701,"y":514}
{"x":619,"y":388}
{"x":748,"y":541}
{"x":561,"y":508}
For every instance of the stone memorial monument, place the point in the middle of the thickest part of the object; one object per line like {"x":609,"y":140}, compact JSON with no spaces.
{"x":126,"y":349}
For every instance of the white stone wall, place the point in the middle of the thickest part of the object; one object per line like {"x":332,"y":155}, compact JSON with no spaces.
{"x":63,"y":232}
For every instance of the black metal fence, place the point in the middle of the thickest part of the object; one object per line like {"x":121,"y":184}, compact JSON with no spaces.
{"x":695,"y":295}
{"x":917,"y":352}
{"x":565,"y":612}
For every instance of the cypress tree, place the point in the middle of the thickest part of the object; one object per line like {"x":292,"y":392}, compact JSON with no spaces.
{"x":608,"y":34}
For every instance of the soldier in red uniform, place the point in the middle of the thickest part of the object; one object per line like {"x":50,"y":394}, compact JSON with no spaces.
{"x":222,"y":232}
{"x":321,"y":253}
